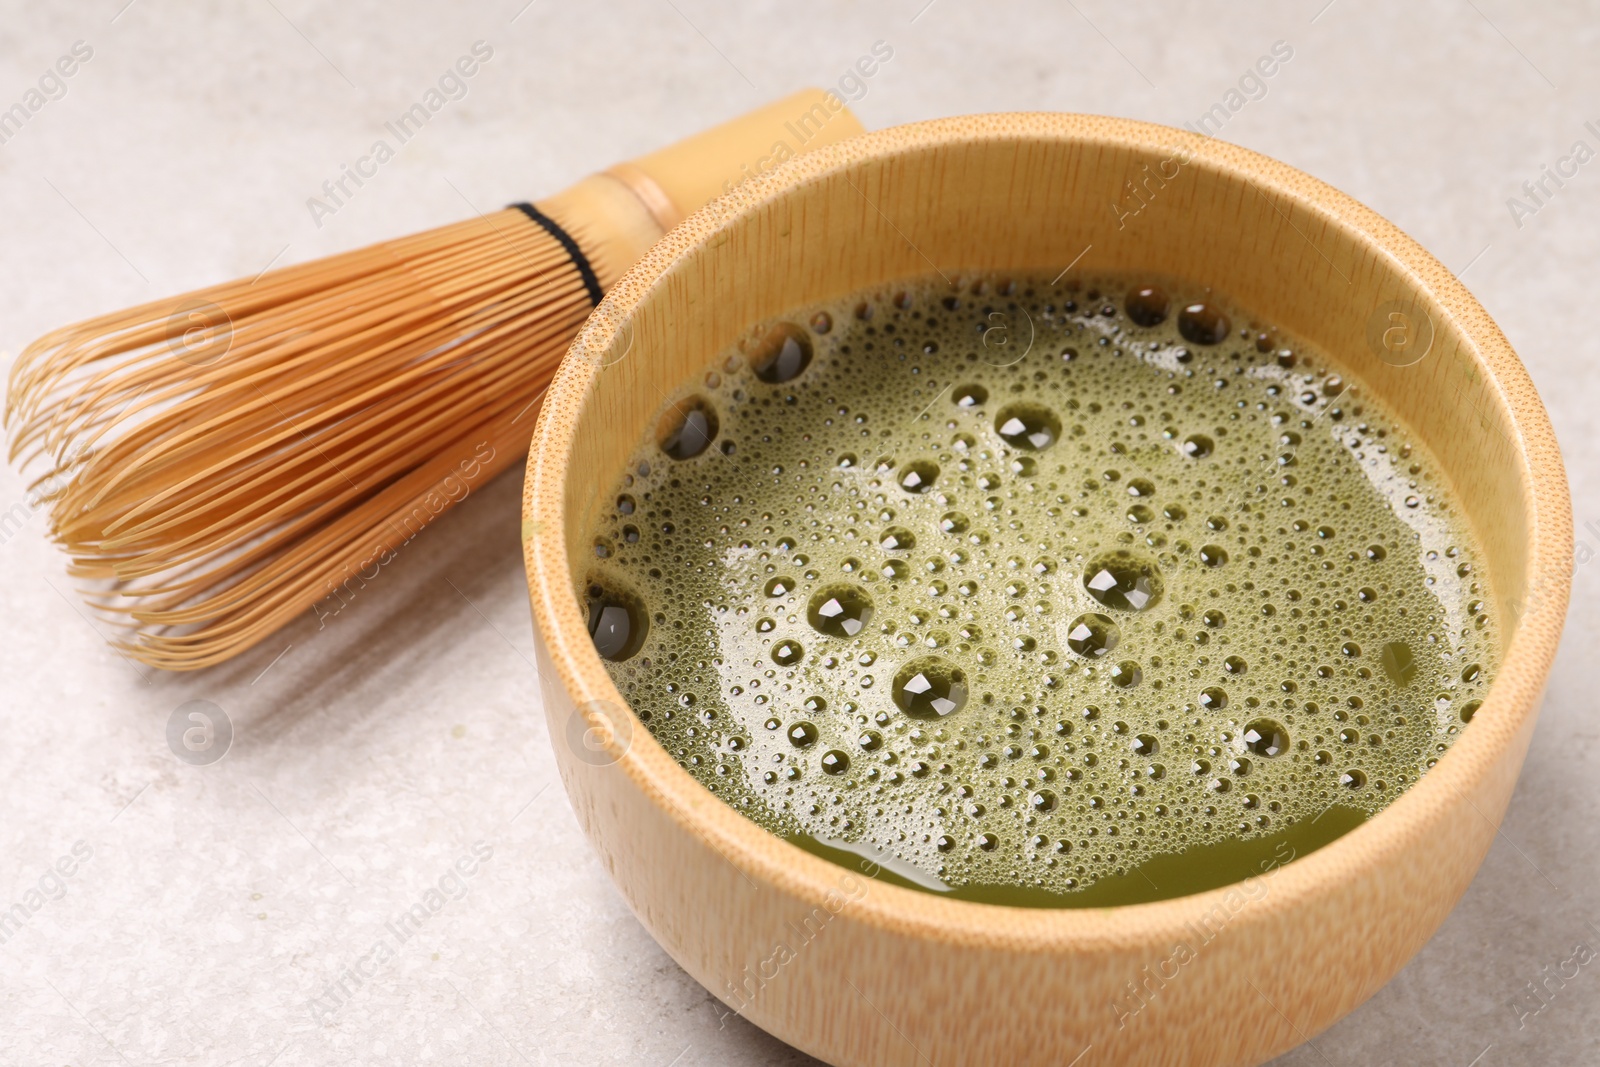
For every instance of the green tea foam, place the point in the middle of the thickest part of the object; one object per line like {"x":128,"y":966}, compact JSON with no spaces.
{"x":1012,"y":586}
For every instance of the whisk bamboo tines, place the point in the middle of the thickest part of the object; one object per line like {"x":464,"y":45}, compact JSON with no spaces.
{"x":219,"y":462}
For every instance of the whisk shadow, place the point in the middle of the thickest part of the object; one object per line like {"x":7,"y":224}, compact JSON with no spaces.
{"x":457,"y":585}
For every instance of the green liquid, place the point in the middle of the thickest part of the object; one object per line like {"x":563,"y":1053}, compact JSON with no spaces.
{"x":1163,"y":876}
{"x":1040,"y":597}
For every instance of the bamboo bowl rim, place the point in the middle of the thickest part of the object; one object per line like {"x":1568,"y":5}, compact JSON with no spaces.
{"x":770,"y":862}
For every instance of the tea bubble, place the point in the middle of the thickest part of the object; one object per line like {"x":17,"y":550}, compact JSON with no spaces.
{"x":1123,"y":581}
{"x":1092,"y":635}
{"x":1399,"y":663}
{"x":841,"y":610}
{"x":930,"y":688}
{"x":969,"y":396}
{"x":918,"y":476}
{"x":783,"y":354}
{"x":617,"y":623}
{"x":1264,"y":737}
{"x":1029,"y":426}
{"x":1147,"y":306}
{"x":688,"y":429}
{"x":1203,"y":324}
{"x":897,"y":539}
{"x":1126,"y":675}
{"x":803,"y":734}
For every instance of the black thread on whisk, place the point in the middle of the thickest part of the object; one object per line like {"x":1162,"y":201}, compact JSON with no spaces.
{"x":579,"y":260}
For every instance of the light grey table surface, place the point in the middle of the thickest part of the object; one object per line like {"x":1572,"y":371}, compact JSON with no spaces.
{"x":216,"y":903}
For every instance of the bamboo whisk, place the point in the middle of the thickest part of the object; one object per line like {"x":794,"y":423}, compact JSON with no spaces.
{"x":218,"y":463}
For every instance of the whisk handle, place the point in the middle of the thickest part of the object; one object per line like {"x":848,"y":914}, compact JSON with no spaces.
{"x":691,"y":173}
{"x":618,"y":214}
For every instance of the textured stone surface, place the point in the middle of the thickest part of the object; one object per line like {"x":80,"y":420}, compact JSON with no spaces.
{"x":219,"y":902}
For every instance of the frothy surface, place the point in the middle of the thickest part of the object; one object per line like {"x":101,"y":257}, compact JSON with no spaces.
{"x":1023,"y":586}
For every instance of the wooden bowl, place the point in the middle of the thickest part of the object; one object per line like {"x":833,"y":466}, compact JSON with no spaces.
{"x":854,"y":971}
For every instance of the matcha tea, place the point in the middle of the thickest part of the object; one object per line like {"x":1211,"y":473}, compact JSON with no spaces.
{"x":1058,"y":595}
